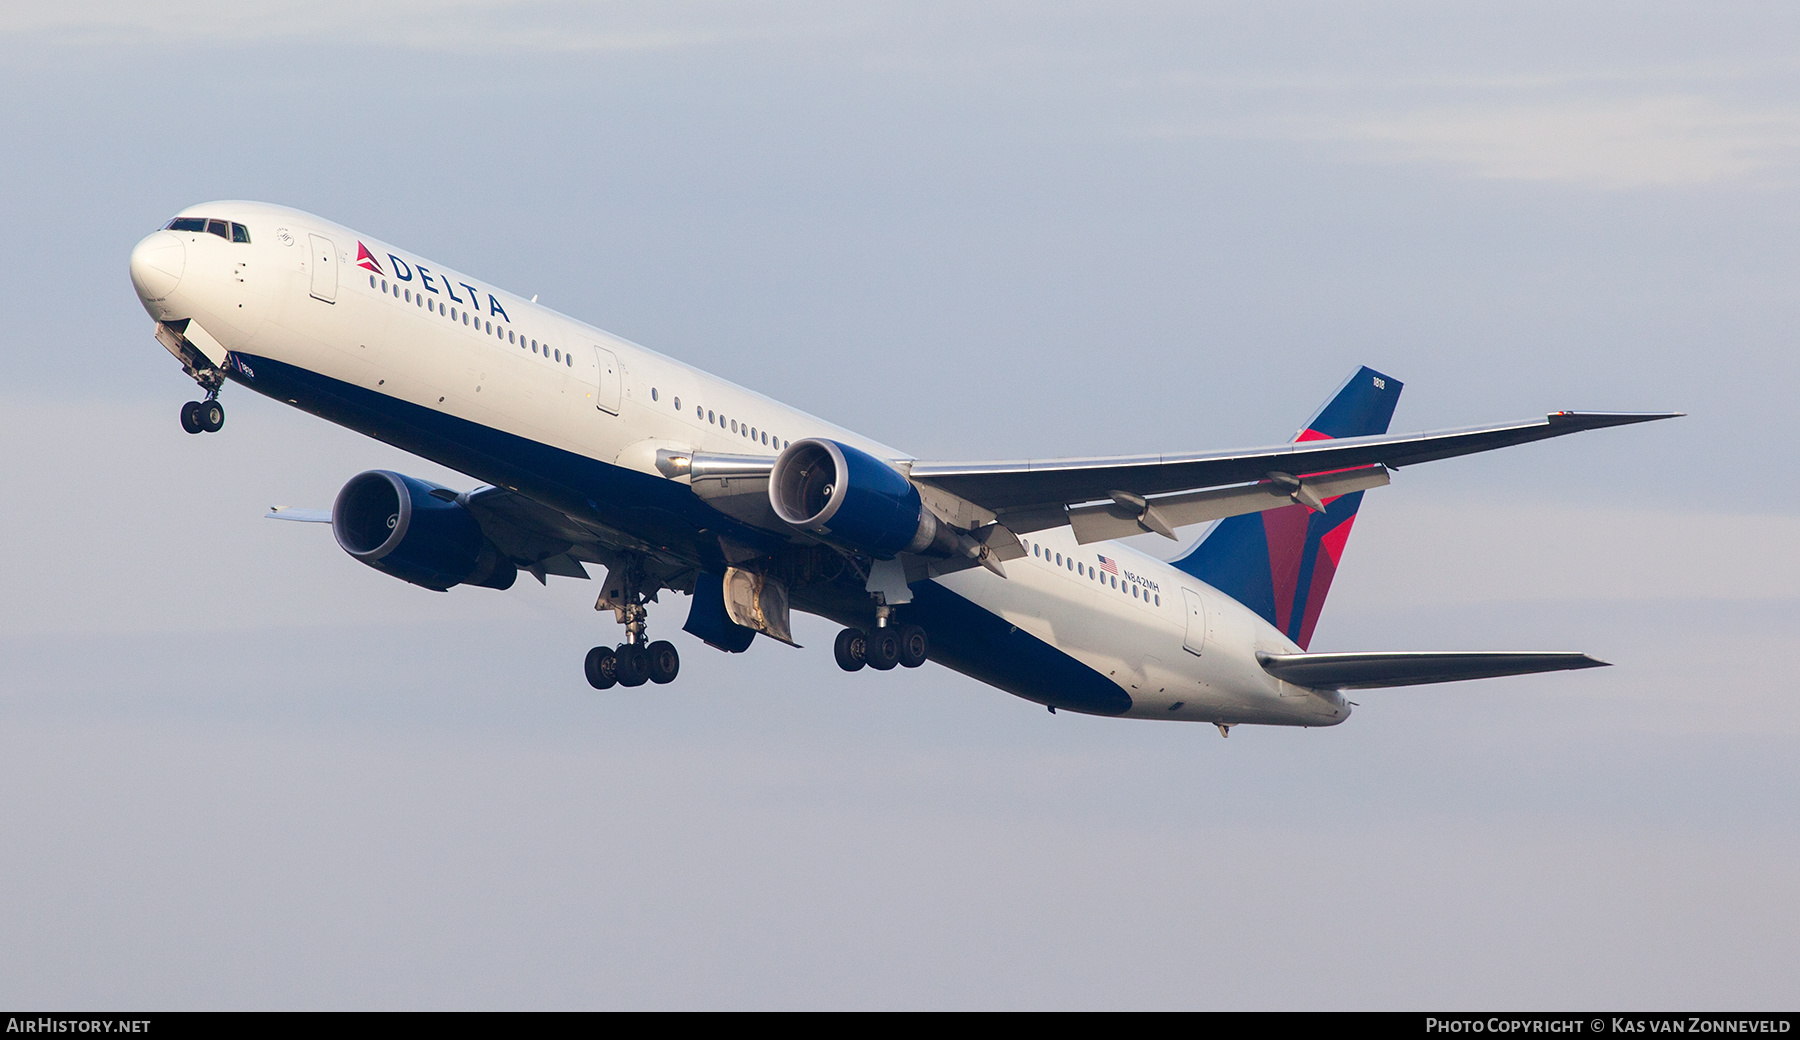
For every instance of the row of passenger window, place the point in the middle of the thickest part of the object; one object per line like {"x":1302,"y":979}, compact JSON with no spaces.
{"x":482,"y":325}
{"x":1106,"y":579}
{"x":228,"y":230}
{"x":395,"y":290}
{"x":744,"y":430}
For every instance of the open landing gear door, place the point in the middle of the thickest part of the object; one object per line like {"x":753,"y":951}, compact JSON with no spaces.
{"x":757,"y":601}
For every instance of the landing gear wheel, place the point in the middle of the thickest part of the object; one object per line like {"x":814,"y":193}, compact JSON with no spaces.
{"x":190,"y":417}
{"x":852,"y":649}
{"x":211,"y":415}
{"x":884,"y":649}
{"x":914,"y":645}
{"x":599,"y":667}
{"x":664,"y":661}
{"x":633,"y":667}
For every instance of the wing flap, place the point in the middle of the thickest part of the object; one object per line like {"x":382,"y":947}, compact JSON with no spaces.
{"x":1373,"y":670}
{"x":1122,"y":517}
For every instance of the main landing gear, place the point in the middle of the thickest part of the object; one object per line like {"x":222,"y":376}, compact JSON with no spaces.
{"x":206,"y":416}
{"x":635,"y":661}
{"x":630,"y":664}
{"x":882,"y":649}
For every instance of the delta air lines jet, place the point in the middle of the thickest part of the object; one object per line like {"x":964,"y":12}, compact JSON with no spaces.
{"x":592,"y":450}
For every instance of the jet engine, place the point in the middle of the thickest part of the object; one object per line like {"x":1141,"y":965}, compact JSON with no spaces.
{"x":855,"y":500}
{"x":416,"y":531}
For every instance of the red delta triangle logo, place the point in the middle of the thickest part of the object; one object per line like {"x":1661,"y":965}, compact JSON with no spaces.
{"x":366,"y":260}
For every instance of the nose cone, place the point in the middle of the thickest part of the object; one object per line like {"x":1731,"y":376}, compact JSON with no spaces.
{"x":157,"y":264}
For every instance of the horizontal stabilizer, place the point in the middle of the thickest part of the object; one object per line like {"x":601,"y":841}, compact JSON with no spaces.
{"x":1369,"y":671}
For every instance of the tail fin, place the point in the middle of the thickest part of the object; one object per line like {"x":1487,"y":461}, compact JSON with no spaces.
{"x":1272,"y":561}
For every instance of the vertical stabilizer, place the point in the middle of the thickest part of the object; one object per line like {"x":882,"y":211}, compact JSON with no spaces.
{"x":1280,"y":562}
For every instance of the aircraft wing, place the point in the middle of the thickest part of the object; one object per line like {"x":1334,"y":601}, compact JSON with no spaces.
{"x":1370,"y":671}
{"x":1034,"y":494}
{"x":544,"y":540}
{"x":541,"y":540}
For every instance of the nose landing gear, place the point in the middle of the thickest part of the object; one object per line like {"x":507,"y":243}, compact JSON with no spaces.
{"x":206,"y":416}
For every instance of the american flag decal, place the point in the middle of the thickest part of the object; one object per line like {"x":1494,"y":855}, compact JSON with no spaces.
{"x":1108,"y":566}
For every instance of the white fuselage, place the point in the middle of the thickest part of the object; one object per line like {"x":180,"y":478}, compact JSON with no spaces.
{"x":402,"y":326}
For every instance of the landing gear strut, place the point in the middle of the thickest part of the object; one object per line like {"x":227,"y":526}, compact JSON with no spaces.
{"x":635,"y":661}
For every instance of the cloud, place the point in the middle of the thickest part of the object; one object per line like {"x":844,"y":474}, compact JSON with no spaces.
{"x":1475,"y":552}
{"x":1614,"y":127}
{"x":1652,"y":140}
{"x":1634,"y":142}
{"x":486,"y":26}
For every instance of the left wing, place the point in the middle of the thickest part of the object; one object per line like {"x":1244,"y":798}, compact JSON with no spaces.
{"x":539,"y":539}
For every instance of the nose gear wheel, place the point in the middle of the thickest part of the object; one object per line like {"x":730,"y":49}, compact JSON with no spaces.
{"x":206,"y":416}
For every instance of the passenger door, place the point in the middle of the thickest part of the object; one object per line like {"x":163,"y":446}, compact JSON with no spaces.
{"x":1195,"y":639}
{"x":323,"y":262}
{"x":607,"y":381}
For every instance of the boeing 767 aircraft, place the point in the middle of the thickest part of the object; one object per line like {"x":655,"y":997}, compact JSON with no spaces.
{"x":594,"y":450}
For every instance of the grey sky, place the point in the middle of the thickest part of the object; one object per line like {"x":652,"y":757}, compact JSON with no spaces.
{"x":238,"y":769}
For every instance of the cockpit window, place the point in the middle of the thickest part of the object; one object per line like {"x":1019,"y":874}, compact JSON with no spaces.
{"x":229,"y":230}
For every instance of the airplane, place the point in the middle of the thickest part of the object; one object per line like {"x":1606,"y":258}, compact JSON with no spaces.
{"x":593,"y":450}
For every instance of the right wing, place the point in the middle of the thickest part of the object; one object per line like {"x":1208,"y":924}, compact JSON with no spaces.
{"x":1119,"y":492}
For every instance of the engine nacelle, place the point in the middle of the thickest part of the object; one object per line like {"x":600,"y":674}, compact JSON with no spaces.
{"x":855,"y":500}
{"x":394,"y":523}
